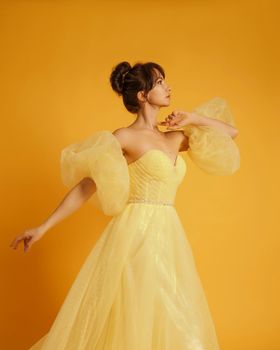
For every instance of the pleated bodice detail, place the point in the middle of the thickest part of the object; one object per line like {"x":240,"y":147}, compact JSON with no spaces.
{"x":154,"y":177}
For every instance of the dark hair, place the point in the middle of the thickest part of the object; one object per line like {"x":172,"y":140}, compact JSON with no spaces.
{"x":127,"y":81}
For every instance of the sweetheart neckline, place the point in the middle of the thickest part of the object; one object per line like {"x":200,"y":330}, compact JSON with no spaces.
{"x":173,"y":163}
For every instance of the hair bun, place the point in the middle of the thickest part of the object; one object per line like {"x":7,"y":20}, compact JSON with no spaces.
{"x":118,"y":75}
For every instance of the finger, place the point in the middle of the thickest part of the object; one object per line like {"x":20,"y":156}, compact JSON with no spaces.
{"x":27,"y":245}
{"x":12,"y":243}
{"x":177,"y":120}
{"x":175,"y":125}
{"x":16,"y":242}
{"x":173,"y":122}
{"x":172,"y":128}
{"x":25,"y":240}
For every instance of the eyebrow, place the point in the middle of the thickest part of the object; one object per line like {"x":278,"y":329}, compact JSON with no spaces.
{"x":160,"y":77}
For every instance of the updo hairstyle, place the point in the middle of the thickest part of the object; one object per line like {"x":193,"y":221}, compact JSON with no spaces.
{"x":126,"y":81}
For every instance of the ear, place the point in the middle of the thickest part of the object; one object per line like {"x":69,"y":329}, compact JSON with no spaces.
{"x":141,"y":96}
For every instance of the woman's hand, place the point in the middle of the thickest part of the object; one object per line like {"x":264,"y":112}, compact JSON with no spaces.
{"x":178,"y":119}
{"x":29,"y":236}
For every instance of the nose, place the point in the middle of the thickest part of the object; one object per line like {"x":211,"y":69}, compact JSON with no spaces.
{"x":168,"y":88}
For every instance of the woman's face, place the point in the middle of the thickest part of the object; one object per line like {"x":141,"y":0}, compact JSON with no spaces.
{"x":159,"y":95}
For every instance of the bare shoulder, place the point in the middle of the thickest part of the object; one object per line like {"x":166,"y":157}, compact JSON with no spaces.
{"x":180,"y":137}
{"x":123,"y":135}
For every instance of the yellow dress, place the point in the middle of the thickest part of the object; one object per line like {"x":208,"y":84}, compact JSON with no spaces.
{"x":139,"y":289}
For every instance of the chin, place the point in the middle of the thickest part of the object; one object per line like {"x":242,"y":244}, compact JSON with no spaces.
{"x":164,"y":104}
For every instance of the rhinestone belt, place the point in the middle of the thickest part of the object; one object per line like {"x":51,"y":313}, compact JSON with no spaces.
{"x":143,"y":200}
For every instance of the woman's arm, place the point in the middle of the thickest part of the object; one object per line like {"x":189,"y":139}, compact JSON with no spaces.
{"x":180,"y":119}
{"x":73,"y":200}
{"x":202,"y":120}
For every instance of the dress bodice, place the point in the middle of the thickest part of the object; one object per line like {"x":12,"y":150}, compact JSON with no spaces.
{"x":155,"y":177}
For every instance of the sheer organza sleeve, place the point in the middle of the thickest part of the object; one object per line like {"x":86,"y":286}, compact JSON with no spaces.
{"x":100,"y":157}
{"x":210,"y":148}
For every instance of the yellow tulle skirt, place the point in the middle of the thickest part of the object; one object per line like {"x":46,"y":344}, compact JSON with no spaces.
{"x":138,"y":289}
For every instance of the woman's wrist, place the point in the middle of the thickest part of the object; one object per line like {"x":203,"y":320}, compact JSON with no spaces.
{"x":42,"y":229}
{"x":191,"y":119}
{"x":195,"y":119}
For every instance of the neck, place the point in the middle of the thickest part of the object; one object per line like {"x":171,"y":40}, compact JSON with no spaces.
{"x":147,"y":118}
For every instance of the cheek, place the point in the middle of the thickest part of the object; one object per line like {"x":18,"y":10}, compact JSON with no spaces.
{"x":155,"y":94}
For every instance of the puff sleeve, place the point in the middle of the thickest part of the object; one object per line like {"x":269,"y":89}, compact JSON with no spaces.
{"x":210,"y":148}
{"x":100,"y":157}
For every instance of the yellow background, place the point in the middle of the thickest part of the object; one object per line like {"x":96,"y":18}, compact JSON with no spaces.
{"x":56,"y":59}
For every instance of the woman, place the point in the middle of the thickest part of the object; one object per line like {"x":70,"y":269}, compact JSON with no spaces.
{"x":139,"y":288}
